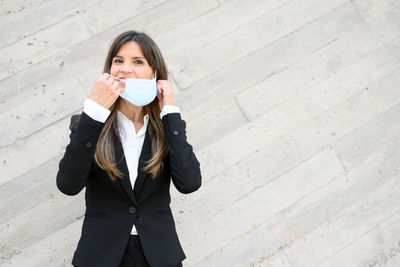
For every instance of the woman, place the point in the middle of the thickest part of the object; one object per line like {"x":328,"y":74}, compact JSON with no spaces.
{"x":125,"y":147}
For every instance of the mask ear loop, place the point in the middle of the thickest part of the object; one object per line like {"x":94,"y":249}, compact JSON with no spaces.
{"x":109,"y":75}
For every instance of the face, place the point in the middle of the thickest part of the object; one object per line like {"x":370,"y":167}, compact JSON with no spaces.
{"x":129,"y":62}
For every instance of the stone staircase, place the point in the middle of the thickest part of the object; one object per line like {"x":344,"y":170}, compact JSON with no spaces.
{"x":292,"y":108}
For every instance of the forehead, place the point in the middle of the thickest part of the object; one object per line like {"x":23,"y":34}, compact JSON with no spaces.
{"x":130,"y":49}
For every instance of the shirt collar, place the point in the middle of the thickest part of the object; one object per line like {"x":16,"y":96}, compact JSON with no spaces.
{"x":126,"y":124}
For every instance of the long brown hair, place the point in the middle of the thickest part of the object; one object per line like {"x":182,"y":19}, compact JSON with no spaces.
{"x":104,"y":155}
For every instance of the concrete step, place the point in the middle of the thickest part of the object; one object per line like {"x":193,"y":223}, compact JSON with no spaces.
{"x":56,"y":249}
{"x":344,"y":49}
{"x":378,"y":246}
{"x":306,"y":227}
{"x":248,"y":39}
{"x":296,"y":113}
{"x":277,"y":156}
{"x":280,"y":55}
{"x":40,"y":14}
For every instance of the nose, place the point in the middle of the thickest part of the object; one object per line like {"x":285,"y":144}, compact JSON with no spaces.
{"x":126,"y":68}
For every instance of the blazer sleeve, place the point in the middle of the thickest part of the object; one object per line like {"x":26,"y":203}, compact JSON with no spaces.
{"x":74,"y":167}
{"x":185,"y":168}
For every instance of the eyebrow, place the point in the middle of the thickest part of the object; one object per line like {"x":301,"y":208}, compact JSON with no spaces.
{"x":132,"y":57}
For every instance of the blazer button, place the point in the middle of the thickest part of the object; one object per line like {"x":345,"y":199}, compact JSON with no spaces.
{"x":132,"y":210}
{"x":88,"y":144}
{"x":175,"y":132}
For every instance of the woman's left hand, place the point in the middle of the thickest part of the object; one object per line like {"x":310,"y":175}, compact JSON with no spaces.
{"x":165,"y":93}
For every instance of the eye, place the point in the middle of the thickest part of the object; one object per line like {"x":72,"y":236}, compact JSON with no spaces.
{"x":139,"y":62}
{"x":116,"y":61}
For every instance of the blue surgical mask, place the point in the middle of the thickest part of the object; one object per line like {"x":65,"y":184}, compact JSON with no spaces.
{"x":140,"y":92}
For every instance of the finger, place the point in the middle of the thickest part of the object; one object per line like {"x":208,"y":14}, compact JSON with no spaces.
{"x":115,"y":85}
{"x":103,"y":77}
{"x":110,"y":81}
{"x":113,"y":78}
{"x":162,"y":81}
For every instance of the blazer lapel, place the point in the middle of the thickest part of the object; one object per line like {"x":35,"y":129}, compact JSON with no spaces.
{"x":145,"y":155}
{"x":122,"y":167}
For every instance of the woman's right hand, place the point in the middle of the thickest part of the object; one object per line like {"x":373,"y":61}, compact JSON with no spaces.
{"x":105,"y":91}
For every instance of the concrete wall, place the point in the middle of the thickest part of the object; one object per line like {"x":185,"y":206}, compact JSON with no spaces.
{"x":292,"y":107}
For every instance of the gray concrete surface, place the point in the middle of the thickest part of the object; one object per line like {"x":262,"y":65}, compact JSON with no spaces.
{"x":292,"y":107}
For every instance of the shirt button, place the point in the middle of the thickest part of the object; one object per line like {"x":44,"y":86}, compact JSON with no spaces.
{"x":175,"y":132}
{"x":88,"y":144}
{"x":140,"y":219}
{"x":132,"y":210}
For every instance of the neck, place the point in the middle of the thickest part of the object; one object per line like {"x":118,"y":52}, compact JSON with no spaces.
{"x":132,"y":112}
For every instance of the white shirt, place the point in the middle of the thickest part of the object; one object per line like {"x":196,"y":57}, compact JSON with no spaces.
{"x":131,"y":141}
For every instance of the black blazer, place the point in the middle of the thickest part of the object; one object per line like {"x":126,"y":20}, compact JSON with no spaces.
{"x":113,"y":207}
